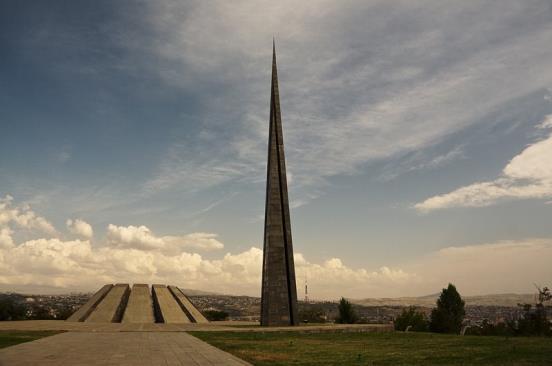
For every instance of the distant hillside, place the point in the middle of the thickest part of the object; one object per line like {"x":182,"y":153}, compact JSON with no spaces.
{"x":191,"y":292}
{"x":429,"y":300}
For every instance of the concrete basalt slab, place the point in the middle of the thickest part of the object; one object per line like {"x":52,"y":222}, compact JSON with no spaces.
{"x":139,"y":308}
{"x":84,"y":311}
{"x":167,"y":309}
{"x":191,"y":311}
{"x":111,"y":308}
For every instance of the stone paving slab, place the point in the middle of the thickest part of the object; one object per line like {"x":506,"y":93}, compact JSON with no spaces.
{"x":123,"y":349}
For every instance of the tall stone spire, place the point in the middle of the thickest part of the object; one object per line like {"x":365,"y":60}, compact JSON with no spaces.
{"x":279,"y":292}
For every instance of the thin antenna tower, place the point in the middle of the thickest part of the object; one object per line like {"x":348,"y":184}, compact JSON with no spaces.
{"x":306,"y":290}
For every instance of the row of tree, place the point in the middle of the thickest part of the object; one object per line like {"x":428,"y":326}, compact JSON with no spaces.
{"x":448,"y":317}
{"x":449,"y":312}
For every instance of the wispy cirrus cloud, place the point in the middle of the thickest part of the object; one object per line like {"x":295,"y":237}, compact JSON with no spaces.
{"x":420,"y":160}
{"x":411,"y":73}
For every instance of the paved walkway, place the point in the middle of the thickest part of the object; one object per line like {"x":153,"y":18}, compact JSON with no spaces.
{"x":117,"y":348}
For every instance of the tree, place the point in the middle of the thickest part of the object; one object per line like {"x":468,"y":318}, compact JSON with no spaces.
{"x":533,"y":321}
{"x":11,"y":309}
{"x":486,"y":328}
{"x":347,"y":314}
{"x":41,"y":312}
{"x":447,"y":317}
{"x":544,"y":294}
{"x":312,"y":314}
{"x":64,"y":312}
{"x":411,"y":317}
{"x":215,"y":315}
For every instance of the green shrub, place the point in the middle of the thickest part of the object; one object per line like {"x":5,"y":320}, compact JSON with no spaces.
{"x":312,"y":315}
{"x":417,"y":320}
{"x":215,"y":315}
{"x":347,"y":314}
{"x":11,"y":309}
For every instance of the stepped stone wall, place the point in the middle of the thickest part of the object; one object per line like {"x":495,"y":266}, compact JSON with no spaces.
{"x":119,"y":303}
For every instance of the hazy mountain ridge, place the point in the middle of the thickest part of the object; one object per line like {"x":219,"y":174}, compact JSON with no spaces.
{"x":192,"y":292}
{"x":429,"y":300}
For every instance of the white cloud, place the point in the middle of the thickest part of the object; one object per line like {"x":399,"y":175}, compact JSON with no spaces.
{"x":546,"y":123}
{"x":6,"y":240}
{"x":23,"y":217}
{"x":333,"y":278}
{"x":477,"y":269}
{"x":527,"y":175}
{"x":198,"y":241}
{"x":78,"y":265}
{"x":134,"y":254}
{"x":141,"y":237}
{"x":80,"y":227}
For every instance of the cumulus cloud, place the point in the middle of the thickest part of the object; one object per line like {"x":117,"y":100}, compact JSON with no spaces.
{"x":6,"y":240}
{"x":80,"y":227}
{"x":133,"y":254}
{"x":527,"y":175}
{"x":23,"y":217}
{"x":333,"y":278}
{"x":141,"y":237}
{"x":136,"y":254}
{"x":79,"y":265}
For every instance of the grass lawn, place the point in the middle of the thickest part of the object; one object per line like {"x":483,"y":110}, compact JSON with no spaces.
{"x":13,"y":337}
{"x":289,"y":348}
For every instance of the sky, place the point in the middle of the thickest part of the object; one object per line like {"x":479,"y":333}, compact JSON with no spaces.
{"x":418,"y":136}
